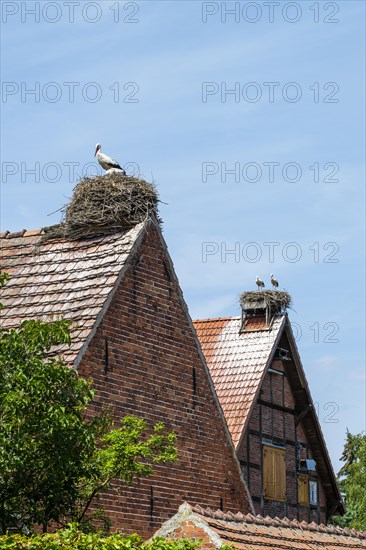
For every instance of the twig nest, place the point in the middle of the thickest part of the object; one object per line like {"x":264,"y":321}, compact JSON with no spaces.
{"x":277,"y":300}
{"x":105,"y":204}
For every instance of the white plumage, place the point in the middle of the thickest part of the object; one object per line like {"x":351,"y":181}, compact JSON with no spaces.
{"x":260,"y":284}
{"x":274,"y":281}
{"x":106,"y":162}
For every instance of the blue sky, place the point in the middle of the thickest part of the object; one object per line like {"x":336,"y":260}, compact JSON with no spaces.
{"x":151,"y":81}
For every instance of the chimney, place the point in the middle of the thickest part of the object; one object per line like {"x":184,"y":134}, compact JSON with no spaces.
{"x":261,"y":307}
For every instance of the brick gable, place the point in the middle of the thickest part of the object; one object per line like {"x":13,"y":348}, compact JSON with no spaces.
{"x":155,"y":371}
{"x":144,"y":359}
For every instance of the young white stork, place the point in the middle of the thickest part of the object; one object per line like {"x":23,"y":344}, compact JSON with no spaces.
{"x":109,"y":164}
{"x":260,"y":284}
{"x":274,"y":282}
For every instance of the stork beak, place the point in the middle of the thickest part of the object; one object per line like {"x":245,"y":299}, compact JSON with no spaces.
{"x":96,"y":151}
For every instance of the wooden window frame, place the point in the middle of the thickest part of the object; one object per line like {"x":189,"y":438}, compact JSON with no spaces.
{"x":274,"y":473}
{"x":315,"y":482}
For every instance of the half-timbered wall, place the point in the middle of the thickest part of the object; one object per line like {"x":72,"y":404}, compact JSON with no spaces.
{"x":273,"y":425}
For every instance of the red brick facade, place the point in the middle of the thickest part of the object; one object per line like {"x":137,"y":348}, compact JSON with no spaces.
{"x":144,"y":360}
{"x":132,"y":335}
{"x":190,"y":530}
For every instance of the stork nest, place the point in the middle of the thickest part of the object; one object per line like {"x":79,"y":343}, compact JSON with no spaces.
{"x":105,"y":204}
{"x":276,"y":300}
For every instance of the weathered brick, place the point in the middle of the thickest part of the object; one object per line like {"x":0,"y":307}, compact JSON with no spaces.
{"x":152,"y":353}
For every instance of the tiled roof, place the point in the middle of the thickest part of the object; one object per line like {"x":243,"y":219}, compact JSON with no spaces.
{"x":249,"y":532}
{"x":237,"y":363}
{"x":61,"y":278}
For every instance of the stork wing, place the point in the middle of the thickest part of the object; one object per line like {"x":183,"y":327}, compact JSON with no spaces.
{"x":111,"y":163}
{"x":107,"y":162}
{"x":114,"y":164}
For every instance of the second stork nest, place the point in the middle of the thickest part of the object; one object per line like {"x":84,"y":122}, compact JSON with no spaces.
{"x":276,"y":300}
{"x":104,"y":204}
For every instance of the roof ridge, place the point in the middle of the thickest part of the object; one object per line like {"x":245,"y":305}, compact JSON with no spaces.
{"x":6,"y":234}
{"x":212,"y":319}
{"x":276,"y":522}
{"x":21,"y":233}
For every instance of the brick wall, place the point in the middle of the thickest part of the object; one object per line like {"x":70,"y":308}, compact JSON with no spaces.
{"x":190,"y":530}
{"x":278,"y":427}
{"x":154,"y":370}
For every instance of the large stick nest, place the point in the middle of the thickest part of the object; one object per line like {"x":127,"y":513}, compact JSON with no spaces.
{"x":277,"y":300}
{"x":105,"y":204}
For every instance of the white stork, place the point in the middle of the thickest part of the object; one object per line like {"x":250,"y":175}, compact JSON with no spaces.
{"x":274,"y":282}
{"x":110,"y":165}
{"x":260,"y":284}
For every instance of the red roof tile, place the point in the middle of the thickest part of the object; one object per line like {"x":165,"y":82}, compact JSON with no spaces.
{"x":61,"y":278}
{"x":237,"y":362}
{"x":249,"y":532}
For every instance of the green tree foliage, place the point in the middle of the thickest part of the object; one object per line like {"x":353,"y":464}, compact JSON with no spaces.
{"x":73,"y":539}
{"x":352,"y":481}
{"x":53,"y":460}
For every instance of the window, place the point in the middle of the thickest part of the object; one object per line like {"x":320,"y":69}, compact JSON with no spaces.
{"x":303,"y":490}
{"x":307,"y":491}
{"x":274,"y":473}
{"x":313,"y":492}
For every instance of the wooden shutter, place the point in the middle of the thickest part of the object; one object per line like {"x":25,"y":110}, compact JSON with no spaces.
{"x":303,"y":490}
{"x":268,"y":481}
{"x":274,"y":473}
{"x":280,"y":472}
